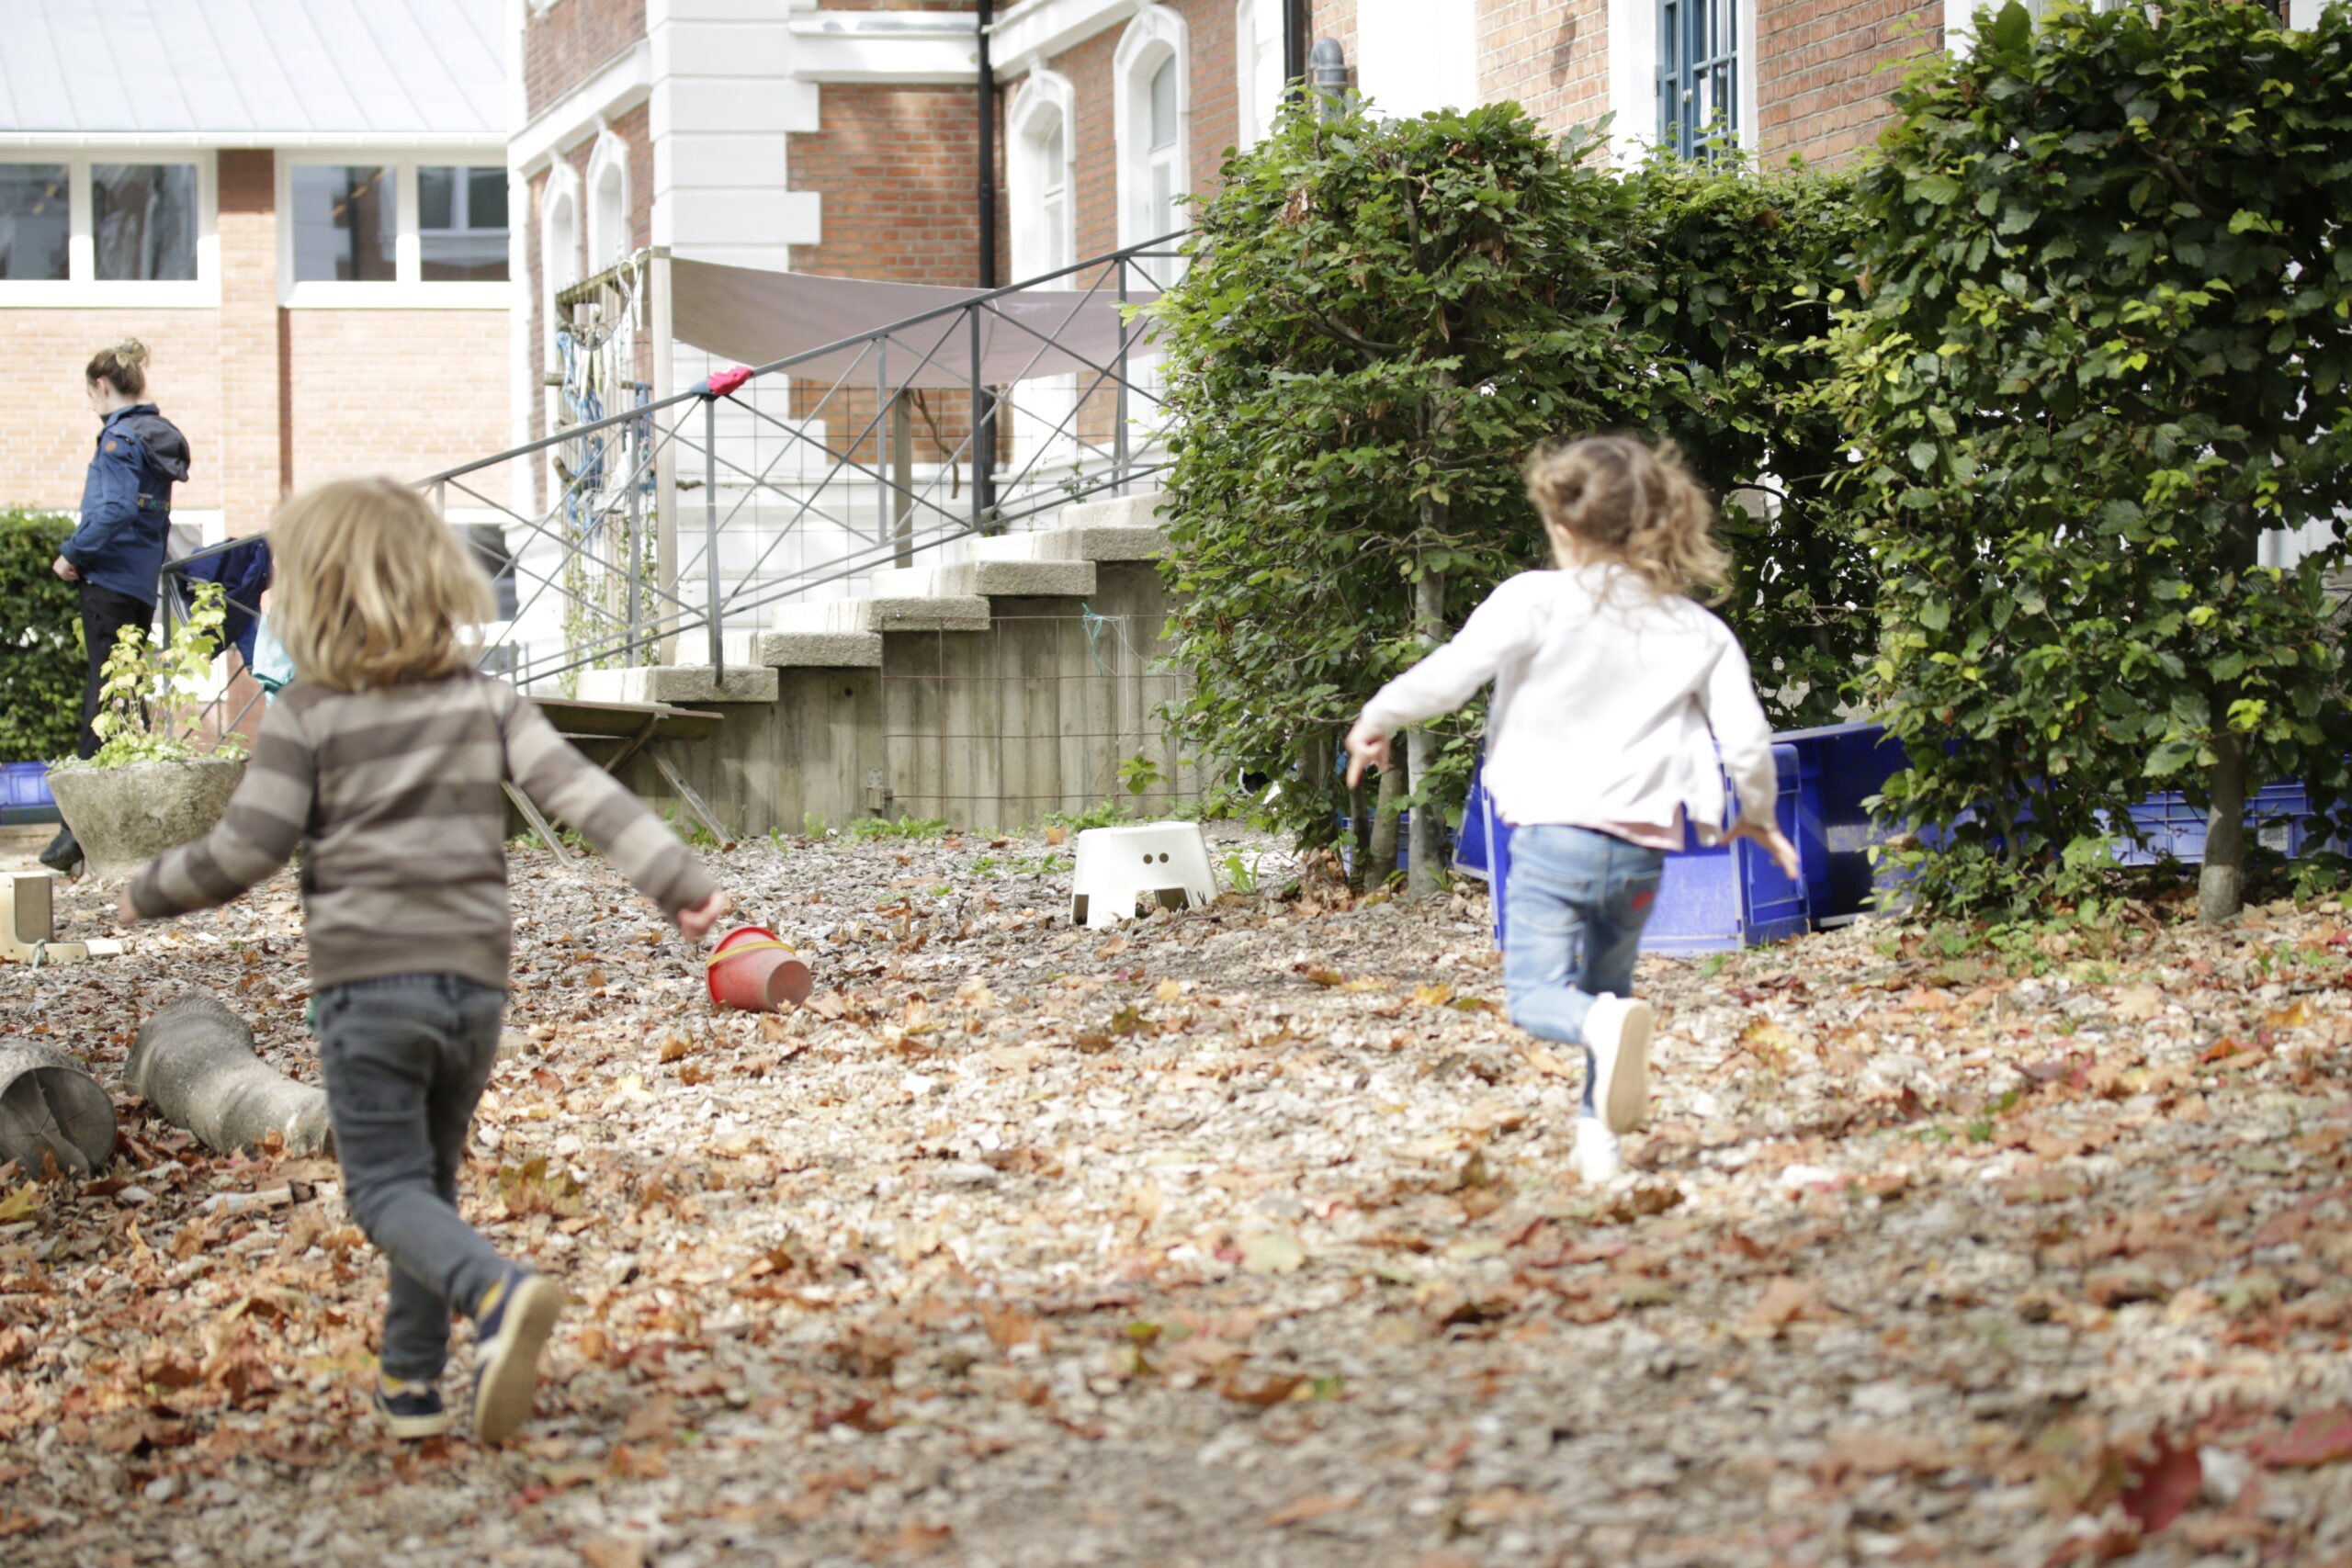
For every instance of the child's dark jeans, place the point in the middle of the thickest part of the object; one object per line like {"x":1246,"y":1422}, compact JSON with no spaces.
{"x":406,"y":1059}
{"x":1577,"y":902}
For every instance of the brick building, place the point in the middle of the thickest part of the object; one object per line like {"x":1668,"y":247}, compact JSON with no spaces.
{"x":303,"y":217}
{"x":843,"y":136}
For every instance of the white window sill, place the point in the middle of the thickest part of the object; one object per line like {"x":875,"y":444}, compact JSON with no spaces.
{"x":198,"y":295}
{"x":399,"y":297}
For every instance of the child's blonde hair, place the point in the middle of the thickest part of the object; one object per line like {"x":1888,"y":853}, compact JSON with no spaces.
{"x":1631,"y":504}
{"x":370,"y":588}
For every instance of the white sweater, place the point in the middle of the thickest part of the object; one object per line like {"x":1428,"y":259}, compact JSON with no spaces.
{"x":1610,"y":703}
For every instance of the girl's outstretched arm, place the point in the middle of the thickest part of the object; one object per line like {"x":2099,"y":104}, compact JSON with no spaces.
{"x":1503,"y":629}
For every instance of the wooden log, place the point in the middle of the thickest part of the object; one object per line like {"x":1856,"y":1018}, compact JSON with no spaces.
{"x":194,"y":1062}
{"x":50,"y":1105}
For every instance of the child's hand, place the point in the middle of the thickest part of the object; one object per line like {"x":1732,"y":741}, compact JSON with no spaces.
{"x":124,"y":913}
{"x":697,"y":919}
{"x":1366,"y":746}
{"x":1776,"y":844}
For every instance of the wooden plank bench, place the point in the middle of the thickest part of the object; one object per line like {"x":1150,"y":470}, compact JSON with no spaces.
{"x":611,"y":734}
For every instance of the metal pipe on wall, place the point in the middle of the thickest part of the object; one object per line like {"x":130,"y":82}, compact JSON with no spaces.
{"x":983,"y":398}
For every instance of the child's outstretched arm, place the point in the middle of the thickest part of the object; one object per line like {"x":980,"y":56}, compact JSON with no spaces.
{"x":1497,"y":631}
{"x":255,"y":836}
{"x":1745,"y":737}
{"x":566,"y":785}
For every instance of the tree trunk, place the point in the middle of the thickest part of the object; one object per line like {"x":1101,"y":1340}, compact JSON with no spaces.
{"x":2221,"y":883}
{"x":195,"y":1061}
{"x":1421,"y":746}
{"x":49,"y":1105}
{"x":1380,"y":849}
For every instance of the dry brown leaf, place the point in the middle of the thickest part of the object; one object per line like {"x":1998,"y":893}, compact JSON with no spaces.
{"x":614,"y":1552}
{"x":1314,"y":1509}
{"x":1783,"y":1301}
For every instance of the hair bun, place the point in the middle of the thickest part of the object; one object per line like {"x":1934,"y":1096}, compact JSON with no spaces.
{"x":130,"y":350}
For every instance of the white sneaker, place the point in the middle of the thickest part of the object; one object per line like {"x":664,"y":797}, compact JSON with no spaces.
{"x":1617,"y":1031}
{"x":1595,"y":1158}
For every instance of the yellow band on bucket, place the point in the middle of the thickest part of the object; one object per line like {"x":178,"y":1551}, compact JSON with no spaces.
{"x":712,"y":962}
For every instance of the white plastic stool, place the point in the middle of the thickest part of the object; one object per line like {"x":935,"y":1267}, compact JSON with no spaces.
{"x":1167,"y":861}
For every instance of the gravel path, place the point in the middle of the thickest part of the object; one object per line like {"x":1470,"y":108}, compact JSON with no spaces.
{"x":1243,"y":1236}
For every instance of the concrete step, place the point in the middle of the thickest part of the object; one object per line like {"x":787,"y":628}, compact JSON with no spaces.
{"x":1145,"y":510}
{"x":893,"y":613}
{"x":806,"y":650}
{"x":1030,"y":576}
{"x":687,"y":685}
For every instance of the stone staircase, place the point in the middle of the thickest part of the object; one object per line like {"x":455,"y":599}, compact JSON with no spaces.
{"x":846,"y":634}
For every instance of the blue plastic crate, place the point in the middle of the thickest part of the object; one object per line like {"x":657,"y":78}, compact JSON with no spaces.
{"x":1710,"y":900}
{"x":2279,"y":818}
{"x":1839,"y":767}
{"x":25,"y":785}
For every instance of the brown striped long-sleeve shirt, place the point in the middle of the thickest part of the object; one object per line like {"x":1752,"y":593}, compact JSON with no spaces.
{"x":393,"y":798}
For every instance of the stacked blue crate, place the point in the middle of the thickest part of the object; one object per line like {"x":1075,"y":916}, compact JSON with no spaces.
{"x":23,"y":794}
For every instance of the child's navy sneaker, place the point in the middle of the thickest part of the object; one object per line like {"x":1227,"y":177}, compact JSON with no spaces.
{"x":413,"y":1410}
{"x":511,"y":1327}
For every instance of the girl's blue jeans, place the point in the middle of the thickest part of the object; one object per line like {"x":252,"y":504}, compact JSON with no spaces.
{"x":1575,"y":905}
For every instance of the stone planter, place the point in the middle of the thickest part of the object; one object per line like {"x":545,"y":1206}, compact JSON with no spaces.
{"x":126,"y":816}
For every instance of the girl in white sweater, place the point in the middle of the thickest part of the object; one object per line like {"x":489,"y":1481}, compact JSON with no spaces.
{"x":1613,"y":694}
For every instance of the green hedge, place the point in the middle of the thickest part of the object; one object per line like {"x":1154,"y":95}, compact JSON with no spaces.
{"x":2106,"y":344}
{"x":1381,"y":318}
{"x":41,"y":666}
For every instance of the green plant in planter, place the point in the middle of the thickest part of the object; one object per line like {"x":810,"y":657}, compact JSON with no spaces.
{"x":147,"y":699}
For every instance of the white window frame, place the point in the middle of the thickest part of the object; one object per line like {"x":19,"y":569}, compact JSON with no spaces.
{"x":406,"y":289}
{"x":82,"y":288}
{"x":1633,"y":79}
{"x":1256,"y":33}
{"x":1045,"y":98}
{"x":609,"y":157}
{"x":1156,"y":35}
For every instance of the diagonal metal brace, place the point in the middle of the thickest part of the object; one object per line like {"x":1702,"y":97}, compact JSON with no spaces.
{"x":531,"y":814}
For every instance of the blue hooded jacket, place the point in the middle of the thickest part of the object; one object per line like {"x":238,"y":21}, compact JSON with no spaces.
{"x":126,"y":502}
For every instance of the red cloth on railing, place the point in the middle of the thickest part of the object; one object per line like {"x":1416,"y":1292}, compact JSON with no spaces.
{"x":718,"y":383}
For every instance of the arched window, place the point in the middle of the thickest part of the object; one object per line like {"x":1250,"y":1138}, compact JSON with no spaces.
{"x":1152,"y":83}
{"x":1045,"y":240}
{"x":1044,"y":217}
{"x":609,"y":240}
{"x":1258,"y":66}
{"x":560,"y":230}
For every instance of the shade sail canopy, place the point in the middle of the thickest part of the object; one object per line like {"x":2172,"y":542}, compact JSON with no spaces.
{"x":756,"y":317}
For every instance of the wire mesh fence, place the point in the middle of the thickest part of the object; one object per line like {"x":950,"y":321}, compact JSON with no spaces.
{"x":1043,"y":713}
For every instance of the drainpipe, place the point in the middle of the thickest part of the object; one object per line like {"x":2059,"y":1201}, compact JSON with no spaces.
{"x":984,"y":399}
{"x":988,"y":149}
{"x":1293,"y":43}
{"x":1327,"y":74}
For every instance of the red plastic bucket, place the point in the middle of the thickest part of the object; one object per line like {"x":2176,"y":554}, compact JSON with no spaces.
{"x":753,"y":971}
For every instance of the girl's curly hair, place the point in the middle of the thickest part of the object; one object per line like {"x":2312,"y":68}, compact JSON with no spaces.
{"x":1633,"y":504}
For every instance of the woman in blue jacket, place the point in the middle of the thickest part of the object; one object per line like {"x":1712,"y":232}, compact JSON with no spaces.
{"x":116,"y":553}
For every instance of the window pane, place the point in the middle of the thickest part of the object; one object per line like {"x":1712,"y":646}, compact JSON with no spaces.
{"x":1055,"y":159}
{"x":143,"y":219}
{"x":486,"y":197}
{"x":345,"y":220}
{"x":1163,"y":104}
{"x":437,"y":197}
{"x":34,"y":222}
{"x":463,"y":239}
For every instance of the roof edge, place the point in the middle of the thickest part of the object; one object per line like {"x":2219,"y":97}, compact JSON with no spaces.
{"x":288,"y":141}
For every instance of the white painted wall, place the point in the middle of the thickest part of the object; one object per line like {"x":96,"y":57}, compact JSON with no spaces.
{"x":724,"y":97}
{"x":1416,"y":55}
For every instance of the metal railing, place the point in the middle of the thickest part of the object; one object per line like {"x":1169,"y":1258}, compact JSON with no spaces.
{"x":845,"y":440}
{"x":827,"y":488}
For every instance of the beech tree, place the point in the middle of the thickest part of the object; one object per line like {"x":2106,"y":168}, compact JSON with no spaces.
{"x":2100,"y":345}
